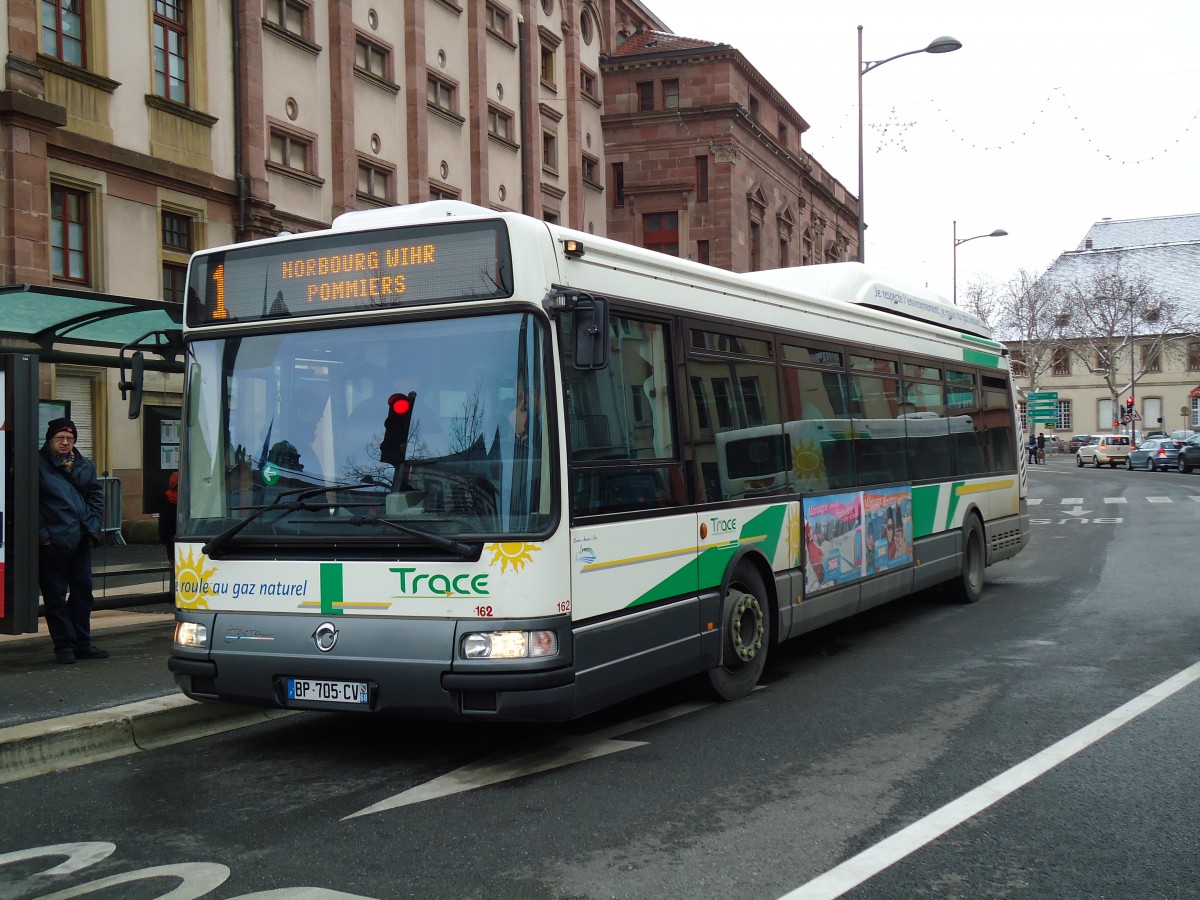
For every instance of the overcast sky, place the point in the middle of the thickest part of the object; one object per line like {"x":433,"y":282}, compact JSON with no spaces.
{"x":1053,"y":115}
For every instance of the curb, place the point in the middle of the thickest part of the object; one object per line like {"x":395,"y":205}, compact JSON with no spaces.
{"x":38,"y":748}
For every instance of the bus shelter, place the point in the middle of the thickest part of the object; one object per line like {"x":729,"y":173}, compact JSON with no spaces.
{"x":46,"y":324}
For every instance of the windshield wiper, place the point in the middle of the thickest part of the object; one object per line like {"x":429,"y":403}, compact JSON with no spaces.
{"x":466,"y":551}
{"x":213,"y":547}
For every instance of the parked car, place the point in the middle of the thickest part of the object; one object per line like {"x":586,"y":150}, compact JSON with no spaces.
{"x":1154,"y":454}
{"x":1188,"y":457}
{"x":1078,"y":440}
{"x":1107,"y":448}
{"x":1183,"y":434}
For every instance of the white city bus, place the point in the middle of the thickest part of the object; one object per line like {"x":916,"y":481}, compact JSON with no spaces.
{"x":448,"y":462}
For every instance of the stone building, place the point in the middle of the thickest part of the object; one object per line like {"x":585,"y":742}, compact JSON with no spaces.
{"x":706,"y":161}
{"x":1164,"y":369}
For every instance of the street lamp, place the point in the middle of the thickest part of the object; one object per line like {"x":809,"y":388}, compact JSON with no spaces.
{"x":999,"y":232}
{"x":942,"y":44}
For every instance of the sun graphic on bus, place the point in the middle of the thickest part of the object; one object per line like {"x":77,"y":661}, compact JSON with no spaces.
{"x":807,"y":461}
{"x":190,"y":576}
{"x":516,"y":554}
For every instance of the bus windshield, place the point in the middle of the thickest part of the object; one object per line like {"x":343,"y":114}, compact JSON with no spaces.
{"x":377,"y":432}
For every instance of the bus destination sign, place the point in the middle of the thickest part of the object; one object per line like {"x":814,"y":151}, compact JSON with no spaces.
{"x":349,"y":272}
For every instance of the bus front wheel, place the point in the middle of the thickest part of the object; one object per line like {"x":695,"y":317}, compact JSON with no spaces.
{"x":745,"y":635}
{"x":968,"y":586}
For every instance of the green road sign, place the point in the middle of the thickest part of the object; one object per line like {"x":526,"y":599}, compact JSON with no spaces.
{"x":1043,"y":395}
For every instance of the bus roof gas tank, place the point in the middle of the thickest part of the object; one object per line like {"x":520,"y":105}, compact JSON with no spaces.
{"x":853,"y":282}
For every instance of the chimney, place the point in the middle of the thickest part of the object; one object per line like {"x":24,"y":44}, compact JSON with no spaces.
{"x":1087,"y":245}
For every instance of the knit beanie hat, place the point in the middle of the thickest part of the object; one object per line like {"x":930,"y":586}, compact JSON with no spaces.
{"x":57,"y":425}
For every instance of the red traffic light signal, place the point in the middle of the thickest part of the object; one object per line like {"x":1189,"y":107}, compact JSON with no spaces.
{"x":1116,"y":425}
{"x":1129,"y":403}
{"x":395,"y":429}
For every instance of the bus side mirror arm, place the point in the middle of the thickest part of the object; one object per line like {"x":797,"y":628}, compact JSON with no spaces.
{"x":589,"y":326}
{"x":165,"y":343}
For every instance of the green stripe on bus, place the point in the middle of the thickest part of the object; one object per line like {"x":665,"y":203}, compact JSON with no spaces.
{"x":924,"y":509}
{"x":979,"y":340}
{"x":331,"y":588}
{"x":975,"y":357}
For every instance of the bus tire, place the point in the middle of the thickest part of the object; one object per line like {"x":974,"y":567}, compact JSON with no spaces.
{"x":745,"y":635}
{"x":968,"y":586}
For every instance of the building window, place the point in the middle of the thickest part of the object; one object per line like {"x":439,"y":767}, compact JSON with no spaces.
{"x":701,"y":179}
{"x":588,"y":84}
{"x":291,"y":16}
{"x":372,"y":57}
{"x":69,"y":257}
{"x":618,"y":185}
{"x":586,"y":31}
{"x":500,"y":123}
{"x":671,"y":93}
{"x":1193,"y":355}
{"x":783,"y":133}
{"x":1195,"y":418}
{"x":1151,"y":358}
{"x":783,"y":254}
{"x":443,"y":192}
{"x":590,"y":166}
{"x":702,"y":252}
{"x":645,"y":96}
{"x":498,"y":21}
{"x":176,"y":232}
{"x":549,"y":70}
{"x":291,"y":150}
{"x":755,"y":246}
{"x":1060,"y":363}
{"x":441,"y":94}
{"x":549,"y":150}
{"x":170,"y":50}
{"x":753,"y":106}
{"x":62,"y":30}
{"x":374,"y":181}
{"x":174,"y":282}
{"x":660,"y":231}
{"x":1064,"y":416}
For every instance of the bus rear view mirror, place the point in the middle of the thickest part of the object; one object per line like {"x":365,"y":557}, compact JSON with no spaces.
{"x":590,"y":326}
{"x":132,"y":388}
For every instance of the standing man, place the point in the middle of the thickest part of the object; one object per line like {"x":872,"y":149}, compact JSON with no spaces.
{"x":70,"y":518}
{"x":1041,"y":447}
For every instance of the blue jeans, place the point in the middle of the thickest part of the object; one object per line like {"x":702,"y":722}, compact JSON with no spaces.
{"x":68,"y":616}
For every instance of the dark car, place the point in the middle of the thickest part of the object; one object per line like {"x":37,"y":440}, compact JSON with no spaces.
{"x":1078,"y":440}
{"x":1189,"y":455}
{"x":1154,"y":454}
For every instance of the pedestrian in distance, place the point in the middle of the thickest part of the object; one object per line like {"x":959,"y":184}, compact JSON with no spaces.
{"x":70,"y":520}
{"x":1041,"y":447}
{"x":1031,"y":449}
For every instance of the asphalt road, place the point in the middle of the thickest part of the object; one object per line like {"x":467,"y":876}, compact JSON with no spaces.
{"x":858,"y":764}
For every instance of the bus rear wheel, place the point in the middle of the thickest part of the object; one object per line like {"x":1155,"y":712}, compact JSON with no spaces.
{"x":745,"y":635}
{"x":968,"y":586}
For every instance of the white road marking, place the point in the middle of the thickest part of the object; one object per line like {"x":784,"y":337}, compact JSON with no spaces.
{"x":1158,"y":499}
{"x":1114,"y":500}
{"x":1069,"y":501}
{"x":505,"y":766}
{"x":1034,"y":501}
{"x":889,"y":851}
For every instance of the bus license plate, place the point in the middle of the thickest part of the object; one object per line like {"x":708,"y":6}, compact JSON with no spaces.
{"x":352,"y":692}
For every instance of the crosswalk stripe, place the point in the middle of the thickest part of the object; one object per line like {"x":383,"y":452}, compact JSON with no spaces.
{"x":1158,"y":500}
{"x":1114,"y":500}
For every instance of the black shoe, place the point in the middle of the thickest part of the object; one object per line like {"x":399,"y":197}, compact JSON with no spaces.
{"x":65,"y":657}
{"x":91,"y":652}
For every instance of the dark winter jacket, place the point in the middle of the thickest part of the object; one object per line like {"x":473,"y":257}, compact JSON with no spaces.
{"x":71,"y":502}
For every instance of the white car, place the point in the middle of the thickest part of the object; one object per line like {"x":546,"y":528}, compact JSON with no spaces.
{"x":1107,"y":448}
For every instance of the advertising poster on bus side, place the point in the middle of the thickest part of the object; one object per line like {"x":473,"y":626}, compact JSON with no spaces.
{"x":887,"y":529}
{"x":832,"y":540}
{"x":854,"y":535}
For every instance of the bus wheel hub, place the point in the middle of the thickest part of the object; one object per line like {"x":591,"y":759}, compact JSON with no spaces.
{"x":746,"y":628}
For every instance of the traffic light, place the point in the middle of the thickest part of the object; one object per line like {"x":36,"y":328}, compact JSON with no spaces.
{"x":395,"y":428}
{"x":1116,"y":425}
{"x":1129,"y":403}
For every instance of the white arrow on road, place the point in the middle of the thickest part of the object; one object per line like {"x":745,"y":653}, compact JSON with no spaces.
{"x":505,"y":766}
{"x":1077,"y":513}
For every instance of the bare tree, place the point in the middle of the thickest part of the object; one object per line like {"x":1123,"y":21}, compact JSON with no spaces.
{"x":981,"y":298}
{"x":1028,"y":310}
{"x":1119,"y":325}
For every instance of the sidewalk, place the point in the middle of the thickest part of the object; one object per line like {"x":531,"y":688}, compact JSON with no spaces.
{"x":55,"y":717}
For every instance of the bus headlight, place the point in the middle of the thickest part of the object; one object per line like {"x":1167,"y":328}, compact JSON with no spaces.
{"x":192,"y":635}
{"x":509,"y":644}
